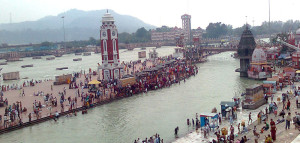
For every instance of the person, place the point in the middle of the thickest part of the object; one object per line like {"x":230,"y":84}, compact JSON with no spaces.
{"x":193,"y":122}
{"x":258,"y":118}
{"x":265,"y":128}
{"x":242,"y":140}
{"x":220,"y":118}
{"x":288,"y":105}
{"x":273,"y":130}
{"x":239,"y":127}
{"x":297,"y":101}
{"x":272,"y":97}
{"x":268,"y":139}
{"x":250,"y":118}
{"x":29,"y":117}
{"x":288,"y":121}
{"x":204,"y":132}
{"x":231,"y":137}
{"x":232,"y":129}
{"x":282,"y":113}
{"x":254,"y":131}
{"x":176,"y":130}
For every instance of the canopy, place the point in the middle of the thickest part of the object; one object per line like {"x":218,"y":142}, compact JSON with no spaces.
{"x":267,"y":85}
{"x":227,"y":103}
{"x":94,"y":82}
{"x":213,"y":115}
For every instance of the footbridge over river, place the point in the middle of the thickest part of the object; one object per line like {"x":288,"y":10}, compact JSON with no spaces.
{"x":219,"y":49}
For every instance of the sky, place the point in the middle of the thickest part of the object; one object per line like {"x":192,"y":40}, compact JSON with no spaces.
{"x":160,"y":12}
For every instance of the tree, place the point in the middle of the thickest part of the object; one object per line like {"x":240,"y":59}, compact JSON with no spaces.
{"x":216,"y":30}
{"x":92,"y":41}
{"x":46,"y":44}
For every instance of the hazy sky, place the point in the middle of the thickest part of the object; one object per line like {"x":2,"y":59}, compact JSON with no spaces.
{"x":159,"y":12}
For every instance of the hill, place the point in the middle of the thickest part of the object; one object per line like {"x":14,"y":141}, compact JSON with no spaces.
{"x":79,"y":25}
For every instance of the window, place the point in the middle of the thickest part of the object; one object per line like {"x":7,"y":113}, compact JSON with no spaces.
{"x":105,"y":58}
{"x":114,"y":45}
{"x":104,"y":46}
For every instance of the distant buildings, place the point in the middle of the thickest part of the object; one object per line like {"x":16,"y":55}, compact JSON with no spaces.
{"x":166,"y":35}
{"x":157,"y":35}
{"x":170,"y":34}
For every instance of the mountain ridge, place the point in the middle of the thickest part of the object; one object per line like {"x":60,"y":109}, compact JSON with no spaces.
{"x":79,"y":25}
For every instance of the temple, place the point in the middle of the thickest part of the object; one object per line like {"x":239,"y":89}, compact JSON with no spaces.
{"x":259,"y":68}
{"x":245,"y":49}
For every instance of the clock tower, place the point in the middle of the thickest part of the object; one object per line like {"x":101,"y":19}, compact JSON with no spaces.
{"x":111,"y":67}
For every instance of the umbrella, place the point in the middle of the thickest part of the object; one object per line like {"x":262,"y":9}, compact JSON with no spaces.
{"x":94,"y":82}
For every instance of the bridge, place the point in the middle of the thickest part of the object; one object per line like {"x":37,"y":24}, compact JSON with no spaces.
{"x":218,"y":49}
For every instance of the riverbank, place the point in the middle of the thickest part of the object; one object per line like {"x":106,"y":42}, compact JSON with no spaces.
{"x":141,"y":115}
{"x":43,"y":110}
{"x":282,"y":134}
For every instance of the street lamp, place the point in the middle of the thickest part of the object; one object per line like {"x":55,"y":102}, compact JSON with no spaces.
{"x":63,"y":17}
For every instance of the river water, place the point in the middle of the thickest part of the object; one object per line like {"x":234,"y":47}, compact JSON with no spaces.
{"x":142,"y":115}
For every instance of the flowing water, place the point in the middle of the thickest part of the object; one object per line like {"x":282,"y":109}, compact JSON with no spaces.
{"x":142,"y":115}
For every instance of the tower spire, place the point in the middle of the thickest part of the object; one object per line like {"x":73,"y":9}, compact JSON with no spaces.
{"x":106,"y":10}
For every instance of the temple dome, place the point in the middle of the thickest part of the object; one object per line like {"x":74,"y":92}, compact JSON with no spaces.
{"x":259,"y":55}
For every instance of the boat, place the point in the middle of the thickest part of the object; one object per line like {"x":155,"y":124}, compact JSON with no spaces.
{"x":254,"y":97}
{"x":25,"y":66}
{"x":87,"y":54}
{"x":50,"y":58}
{"x":77,"y":54}
{"x":77,"y":59}
{"x":3,"y":63}
{"x":37,"y":57}
{"x":58,"y":55}
{"x":11,"y":76}
{"x":130,"y":48}
{"x":13,"y":59}
{"x":63,"y":68}
{"x":142,"y":54}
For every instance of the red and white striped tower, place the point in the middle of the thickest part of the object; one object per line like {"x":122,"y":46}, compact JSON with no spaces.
{"x":111,"y":68}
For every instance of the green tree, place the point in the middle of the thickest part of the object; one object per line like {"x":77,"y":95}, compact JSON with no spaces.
{"x":92,"y":41}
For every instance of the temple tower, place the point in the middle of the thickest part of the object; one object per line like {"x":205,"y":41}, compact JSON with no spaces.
{"x":245,"y":49}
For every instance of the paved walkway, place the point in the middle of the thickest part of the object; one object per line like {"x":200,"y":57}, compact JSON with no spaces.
{"x":282,"y":135}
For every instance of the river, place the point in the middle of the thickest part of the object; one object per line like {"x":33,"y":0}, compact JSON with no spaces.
{"x":142,"y":115}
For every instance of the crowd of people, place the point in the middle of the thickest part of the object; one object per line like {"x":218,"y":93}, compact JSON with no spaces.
{"x":24,"y":84}
{"x":147,"y":78}
{"x":153,"y":139}
{"x":267,"y":123}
